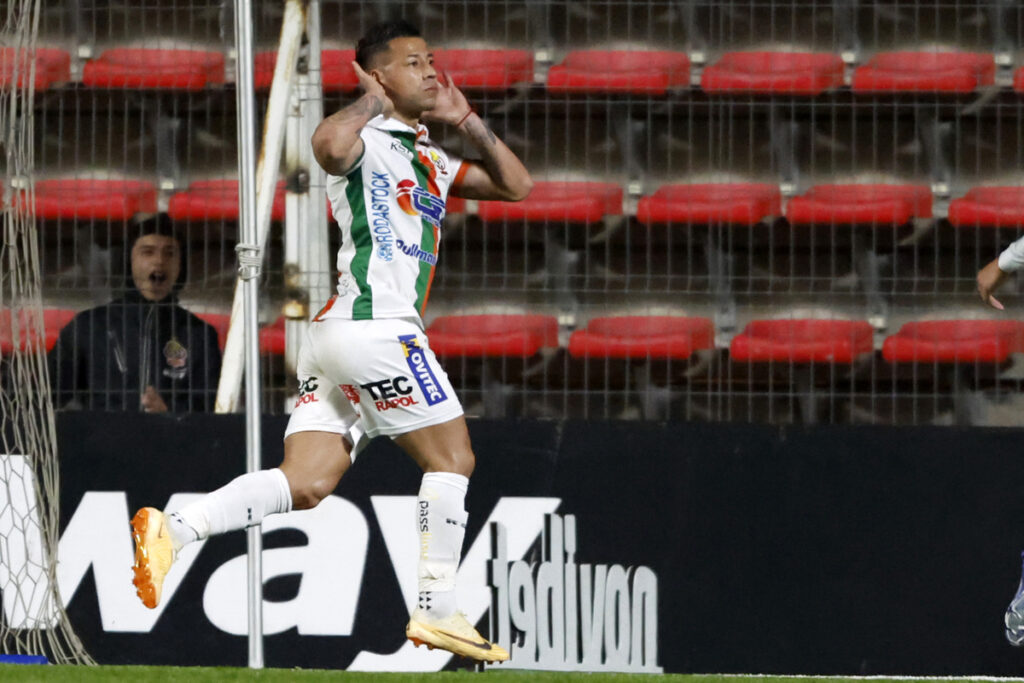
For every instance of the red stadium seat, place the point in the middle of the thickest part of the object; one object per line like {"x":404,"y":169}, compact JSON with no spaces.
{"x":54,"y":320}
{"x":659,"y":336}
{"x":798,"y":73}
{"x":336,"y":72}
{"x":485,"y":69}
{"x":995,"y":207}
{"x":925,"y":72}
{"x":272,"y":338}
{"x":857,"y":204}
{"x":88,"y":198}
{"x":1018,"y":80}
{"x":220,"y":322}
{"x":216,"y":200}
{"x":477,"y":336}
{"x":802,"y":341}
{"x":739,"y":203}
{"x":619,"y":71}
{"x":154,"y":69}
{"x":52,"y":66}
{"x":577,"y":202}
{"x":953,"y":341}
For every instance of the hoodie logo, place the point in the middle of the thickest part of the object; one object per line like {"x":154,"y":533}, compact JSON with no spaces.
{"x":177,"y":357}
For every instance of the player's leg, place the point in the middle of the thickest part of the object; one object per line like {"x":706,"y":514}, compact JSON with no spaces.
{"x":318,"y":450}
{"x":444,"y":453}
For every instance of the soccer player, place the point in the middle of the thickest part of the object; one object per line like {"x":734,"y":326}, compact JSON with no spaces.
{"x":366,"y":368}
{"x":989,"y":279}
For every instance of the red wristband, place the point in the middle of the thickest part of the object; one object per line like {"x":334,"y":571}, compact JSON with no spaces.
{"x":471,"y":110}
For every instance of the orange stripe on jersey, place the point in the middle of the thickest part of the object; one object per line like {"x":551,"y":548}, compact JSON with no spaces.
{"x":327,"y":307}
{"x":457,"y":183}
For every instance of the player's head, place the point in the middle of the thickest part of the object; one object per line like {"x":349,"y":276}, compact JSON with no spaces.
{"x":156,"y":259}
{"x":396,"y":55}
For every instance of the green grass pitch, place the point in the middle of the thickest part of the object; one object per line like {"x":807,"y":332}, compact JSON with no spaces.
{"x":137,"y":674}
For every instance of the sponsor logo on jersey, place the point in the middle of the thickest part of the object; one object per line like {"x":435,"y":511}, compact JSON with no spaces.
{"x":397,"y":146}
{"x":380,"y":215}
{"x":350,"y":393}
{"x":421,"y":371}
{"x":390,"y":393}
{"x":416,"y":201}
{"x":417,"y":252}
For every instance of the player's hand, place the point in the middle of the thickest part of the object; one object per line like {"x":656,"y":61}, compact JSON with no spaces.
{"x":372,"y":87}
{"x":989,"y":279}
{"x":451,"y":105}
{"x":151,"y":401}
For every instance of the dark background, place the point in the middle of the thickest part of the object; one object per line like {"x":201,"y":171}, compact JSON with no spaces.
{"x":811,"y":550}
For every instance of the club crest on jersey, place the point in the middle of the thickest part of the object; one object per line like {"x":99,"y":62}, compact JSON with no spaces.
{"x":414,"y":200}
{"x":439,"y":163}
{"x":421,"y":370}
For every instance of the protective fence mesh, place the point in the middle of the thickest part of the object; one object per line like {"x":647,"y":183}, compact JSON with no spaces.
{"x":758,"y":210}
{"x":32,"y":620}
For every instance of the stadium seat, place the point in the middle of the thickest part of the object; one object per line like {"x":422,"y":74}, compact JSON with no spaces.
{"x":797,"y":73}
{"x":992,"y":207}
{"x":52,"y":66}
{"x":88,"y":198}
{"x":739,"y":203}
{"x":1018,"y":80}
{"x":925,"y":72}
{"x":216,"y":200}
{"x":272,"y":338}
{"x":154,"y":69}
{"x":955,"y":341}
{"x":576,"y":202}
{"x":336,"y":72}
{"x":54,"y":320}
{"x":859,"y":204}
{"x":220,"y":322}
{"x":636,"y":337}
{"x":620,"y":71}
{"x":802,"y":341}
{"x":485,"y":69}
{"x":486,"y":336}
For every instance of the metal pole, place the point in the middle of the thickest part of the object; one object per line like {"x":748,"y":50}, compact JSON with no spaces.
{"x":250,"y":261}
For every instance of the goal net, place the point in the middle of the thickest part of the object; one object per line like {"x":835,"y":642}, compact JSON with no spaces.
{"x":32,"y":619}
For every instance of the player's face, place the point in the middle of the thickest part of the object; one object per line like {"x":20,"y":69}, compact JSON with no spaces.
{"x":408,"y":76}
{"x":156,"y":264}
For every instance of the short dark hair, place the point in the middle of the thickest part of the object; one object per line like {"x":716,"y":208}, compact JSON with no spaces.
{"x":377,"y":37}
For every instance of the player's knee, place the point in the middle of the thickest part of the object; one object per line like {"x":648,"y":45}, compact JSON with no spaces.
{"x":460,"y":462}
{"x":309,"y":494}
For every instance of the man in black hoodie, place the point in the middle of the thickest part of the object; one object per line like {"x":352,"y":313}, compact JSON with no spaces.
{"x":142,"y":351}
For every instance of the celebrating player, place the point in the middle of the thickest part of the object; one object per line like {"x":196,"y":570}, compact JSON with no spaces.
{"x":366,"y":368}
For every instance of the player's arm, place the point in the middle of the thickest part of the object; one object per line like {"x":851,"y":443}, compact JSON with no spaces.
{"x":499,"y":174}
{"x":995,"y":273}
{"x":336,"y":142}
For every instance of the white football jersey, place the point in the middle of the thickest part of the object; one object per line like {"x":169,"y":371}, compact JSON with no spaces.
{"x":389,"y":208}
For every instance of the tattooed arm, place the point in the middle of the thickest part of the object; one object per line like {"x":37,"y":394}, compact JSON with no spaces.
{"x":336,"y":142}
{"x":499,"y":174}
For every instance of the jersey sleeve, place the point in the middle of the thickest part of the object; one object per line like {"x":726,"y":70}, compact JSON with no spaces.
{"x":1012,"y":259}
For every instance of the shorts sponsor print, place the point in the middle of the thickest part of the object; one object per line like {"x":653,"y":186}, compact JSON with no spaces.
{"x":387,"y":381}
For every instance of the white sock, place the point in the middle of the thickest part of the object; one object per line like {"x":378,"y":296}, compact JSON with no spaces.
{"x":242,"y":503}
{"x":441,"y":522}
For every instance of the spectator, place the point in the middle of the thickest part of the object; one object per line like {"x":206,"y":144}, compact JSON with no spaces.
{"x":142,"y":351}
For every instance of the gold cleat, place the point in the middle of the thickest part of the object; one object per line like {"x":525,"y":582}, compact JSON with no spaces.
{"x":154,"y":554}
{"x":454,"y":634}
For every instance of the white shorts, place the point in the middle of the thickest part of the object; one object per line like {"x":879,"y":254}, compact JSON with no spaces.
{"x":369,"y":377}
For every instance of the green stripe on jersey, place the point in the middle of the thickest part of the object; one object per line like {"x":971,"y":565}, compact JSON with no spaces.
{"x":362,"y":307}
{"x":427,"y":242}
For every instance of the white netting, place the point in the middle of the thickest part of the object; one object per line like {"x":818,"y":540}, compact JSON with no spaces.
{"x":33,"y":619}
